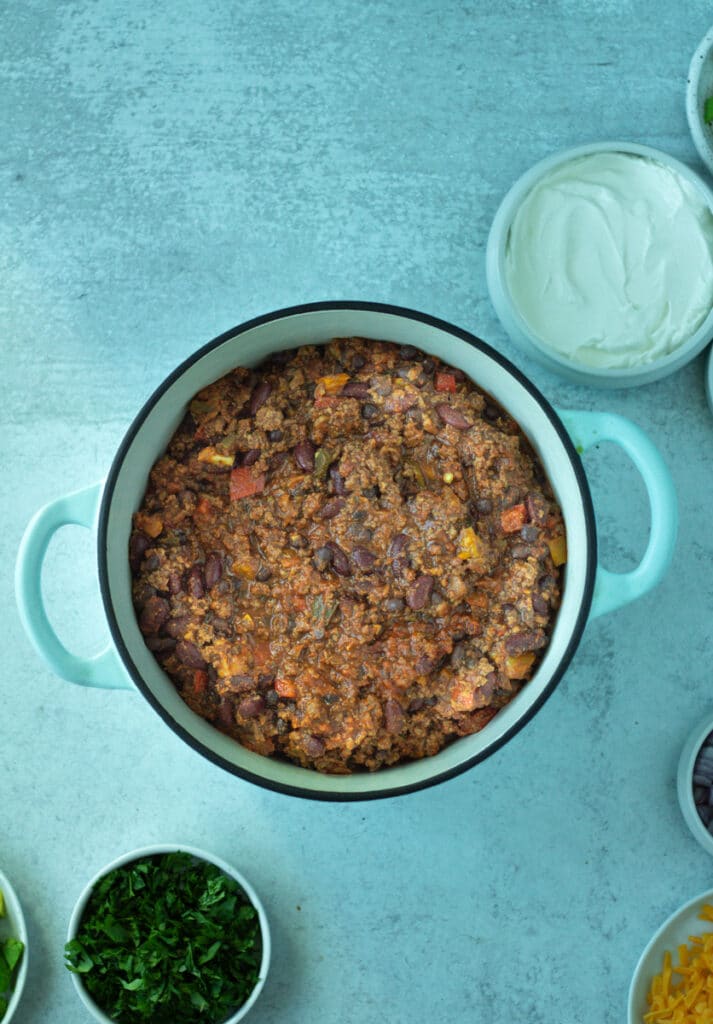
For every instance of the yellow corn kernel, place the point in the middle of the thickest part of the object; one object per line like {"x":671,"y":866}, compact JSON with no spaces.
{"x":214,"y":457}
{"x":448,"y":478}
{"x":333,"y":384}
{"x":518,"y":665}
{"x":558,"y":549}
{"x":470,"y":545}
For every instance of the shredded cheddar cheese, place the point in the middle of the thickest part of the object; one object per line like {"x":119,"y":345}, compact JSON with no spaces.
{"x":684,"y":994}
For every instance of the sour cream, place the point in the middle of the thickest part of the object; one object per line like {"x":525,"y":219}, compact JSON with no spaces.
{"x":609,"y":260}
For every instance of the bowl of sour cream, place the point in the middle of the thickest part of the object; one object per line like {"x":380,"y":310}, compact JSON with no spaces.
{"x":600,"y":264}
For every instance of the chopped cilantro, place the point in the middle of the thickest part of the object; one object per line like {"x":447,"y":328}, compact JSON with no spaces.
{"x":708,"y":110}
{"x":167,"y":939}
{"x":11,"y":951}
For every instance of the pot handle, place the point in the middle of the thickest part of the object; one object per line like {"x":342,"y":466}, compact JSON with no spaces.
{"x":612,"y":590}
{"x":104,"y":669}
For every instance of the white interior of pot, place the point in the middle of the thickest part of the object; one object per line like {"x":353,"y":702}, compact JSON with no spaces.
{"x":314,"y":327}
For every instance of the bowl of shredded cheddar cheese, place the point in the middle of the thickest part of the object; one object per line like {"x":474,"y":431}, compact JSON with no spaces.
{"x":673,"y":980}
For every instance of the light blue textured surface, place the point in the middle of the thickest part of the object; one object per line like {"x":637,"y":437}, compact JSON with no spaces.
{"x":169,"y":170}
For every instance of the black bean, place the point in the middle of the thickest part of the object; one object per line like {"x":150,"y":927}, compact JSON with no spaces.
{"x":363,"y":558}
{"x":297,"y":541}
{"x":539,"y":605}
{"x":491,"y":412}
{"x":416,"y":704}
{"x":322,"y":558}
{"x":250,"y":457}
{"x":275,"y":435}
{"x":369,"y":410}
{"x":260,"y":395}
{"x":394,"y":605}
{"x":154,"y":614}
{"x":271,"y":698}
{"x":453,"y":417}
{"x":138,"y":545}
{"x":263,"y":574}
{"x":428,"y":367}
{"x":521,"y":551}
{"x":408,"y":352}
{"x":189,"y":654}
{"x":213,"y":569}
{"x":282,"y":726}
{"x":196,"y":586}
{"x":331,"y":508}
{"x":304,"y":455}
{"x":358,"y":362}
{"x":529,"y":533}
{"x":355,"y":389}
{"x":419,"y":592}
{"x":340,"y":562}
{"x":484,"y":506}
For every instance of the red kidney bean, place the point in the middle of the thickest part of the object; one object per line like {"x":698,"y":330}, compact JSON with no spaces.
{"x":331,"y":508}
{"x":260,"y":395}
{"x":337,"y":480}
{"x":419,"y":592}
{"x":222,"y":626}
{"x":213,"y":569}
{"x":322,"y":558}
{"x":394,"y":716}
{"x":539,"y":605}
{"x":313,"y":745}
{"x":189,"y":654}
{"x":304,"y":455}
{"x":453,"y":417}
{"x":251,"y":707}
{"x":250,"y":457}
{"x":416,"y":704}
{"x":160,"y":644}
{"x":358,"y":362}
{"x":340,"y":562}
{"x":397,"y":544}
{"x":196,"y":586}
{"x":138,"y":546}
{"x":225,"y":716}
{"x":363,"y":558}
{"x":153,"y":615}
{"x":530,"y":640}
{"x":177,"y":627}
{"x":355,"y":389}
{"x":175,"y":583}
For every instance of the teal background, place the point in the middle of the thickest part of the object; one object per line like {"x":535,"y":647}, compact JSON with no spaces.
{"x":168,"y":170}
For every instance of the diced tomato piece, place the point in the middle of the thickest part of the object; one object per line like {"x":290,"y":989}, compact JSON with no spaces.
{"x":243,"y":483}
{"x":200,"y":680}
{"x":285,"y":688}
{"x":513,"y":519}
{"x":445,"y":382}
{"x":325,"y":401}
{"x":203,"y":508}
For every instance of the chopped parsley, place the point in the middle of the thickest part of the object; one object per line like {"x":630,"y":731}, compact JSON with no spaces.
{"x":708,"y":110}
{"x":168,"y":939}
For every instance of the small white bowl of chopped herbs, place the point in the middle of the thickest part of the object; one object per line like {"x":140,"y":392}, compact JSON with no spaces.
{"x":168,"y":935}
{"x":13,"y":950}
{"x":699,"y":99}
{"x":695,"y":783}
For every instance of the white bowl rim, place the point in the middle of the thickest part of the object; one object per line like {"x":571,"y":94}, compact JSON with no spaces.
{"x":684,"y":782}
{"x":702,"y":141}
{"x":200,"y":854}
{"x":496,"y":248}
{"x":305,"y":791}
{"x":703,"y":897}
{"x":14,"y":908}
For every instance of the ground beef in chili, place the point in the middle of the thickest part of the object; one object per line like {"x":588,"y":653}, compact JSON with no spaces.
{"x":348,"y":556}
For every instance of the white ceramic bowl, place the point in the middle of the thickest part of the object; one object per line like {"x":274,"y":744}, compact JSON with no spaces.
{"x":515,"y":324}
{"x":150,"y":851}
{"x":13,"y":926}
{"x":685,"y":783}
{"x":709,"y":378}
{"x":672,"y":933}
{"x":700,"y":87}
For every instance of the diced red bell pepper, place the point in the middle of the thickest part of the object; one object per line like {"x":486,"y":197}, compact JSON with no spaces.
{"x":200,"y":681}
{"x":513,"y":519}
{"x":243,"y":483}
{"x":445,"y":382}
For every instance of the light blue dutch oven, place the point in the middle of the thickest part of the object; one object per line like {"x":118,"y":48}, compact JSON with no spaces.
{"x":106,"y":508}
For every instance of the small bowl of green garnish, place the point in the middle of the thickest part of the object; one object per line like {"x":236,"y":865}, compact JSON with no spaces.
{"x":699,"y":99}
{"x":13,"y":950}
{"x":170,"y":935}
